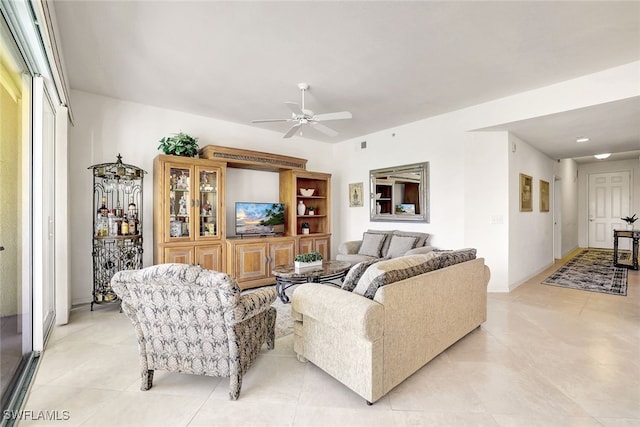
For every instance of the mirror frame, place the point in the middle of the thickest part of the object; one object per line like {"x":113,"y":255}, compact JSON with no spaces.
{"x":423,"y":170}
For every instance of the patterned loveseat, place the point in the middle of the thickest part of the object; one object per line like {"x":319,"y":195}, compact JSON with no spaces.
{"x":192,"y":320}
{"x":390,"y":318}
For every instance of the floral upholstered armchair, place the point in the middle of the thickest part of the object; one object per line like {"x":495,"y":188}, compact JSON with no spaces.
{"x":192,"y":320}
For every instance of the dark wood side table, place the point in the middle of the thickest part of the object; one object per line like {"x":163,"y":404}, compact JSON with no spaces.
{"x":630,"y":234}
{"x":287,"y":276}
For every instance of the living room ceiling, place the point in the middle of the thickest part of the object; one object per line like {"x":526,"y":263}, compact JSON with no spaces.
{"x":389,"y":63}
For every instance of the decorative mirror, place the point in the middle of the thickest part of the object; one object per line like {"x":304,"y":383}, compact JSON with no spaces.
{"x":400,"y":193}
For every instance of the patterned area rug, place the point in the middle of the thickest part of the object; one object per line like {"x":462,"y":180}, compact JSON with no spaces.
{"x":591,"y":270}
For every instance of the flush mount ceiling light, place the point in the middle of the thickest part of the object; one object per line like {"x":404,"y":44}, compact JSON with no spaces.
{"x":602,"y":156}
{"x":582,"y":139}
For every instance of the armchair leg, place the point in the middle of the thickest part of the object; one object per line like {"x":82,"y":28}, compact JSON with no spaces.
{"x":301,"y":358}
{"x":271,"y":328}
{"x":235,"y":383}
{"x":147,"y":380}
{"x":271,"y":339}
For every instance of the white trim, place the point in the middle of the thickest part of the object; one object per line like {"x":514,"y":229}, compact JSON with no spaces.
{"x":38,"y":213}
{"x":30,"y":26}
{"x":62,"y":258}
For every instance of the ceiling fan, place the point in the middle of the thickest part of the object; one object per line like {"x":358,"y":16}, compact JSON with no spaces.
{"x":301,"y":116}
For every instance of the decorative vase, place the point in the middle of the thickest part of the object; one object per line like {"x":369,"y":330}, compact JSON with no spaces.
{"x":378,"y":208}
{"x":302,"y":208}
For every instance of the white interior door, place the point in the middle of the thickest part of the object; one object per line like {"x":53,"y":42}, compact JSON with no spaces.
{"x":609,"y":201}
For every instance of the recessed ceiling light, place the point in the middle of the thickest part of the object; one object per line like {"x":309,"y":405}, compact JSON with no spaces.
{"x":602,"y":156}
{"x":582,"y":139}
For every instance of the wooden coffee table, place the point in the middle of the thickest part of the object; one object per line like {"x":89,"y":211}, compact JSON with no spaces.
{"x":287,"y":276}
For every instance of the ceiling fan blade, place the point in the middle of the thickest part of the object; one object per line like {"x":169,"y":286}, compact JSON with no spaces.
{"x":333,"y":116}
{"x":324,"y":129}
{"x":270,"y":120}
{"x":292,"y":130}
{"x":295,"y":108}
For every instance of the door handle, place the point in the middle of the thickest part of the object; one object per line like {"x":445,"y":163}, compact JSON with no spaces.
{"x":1,"y":248}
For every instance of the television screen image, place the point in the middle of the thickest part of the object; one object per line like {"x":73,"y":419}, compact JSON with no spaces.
{"x":259,"y":218}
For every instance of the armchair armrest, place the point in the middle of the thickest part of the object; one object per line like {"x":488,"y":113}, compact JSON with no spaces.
{"x":253,"y":303}
{"x":349,"y":247}
{"x":339,"y":309}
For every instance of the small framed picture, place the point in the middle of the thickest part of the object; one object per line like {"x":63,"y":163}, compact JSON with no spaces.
{"x":544,"y":196}
{"x":526,"y":193}
{"x":356,"y":194}
{"x":406,"y":209}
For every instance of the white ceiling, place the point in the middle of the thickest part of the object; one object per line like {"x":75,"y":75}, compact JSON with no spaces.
{"x":389,"y":63}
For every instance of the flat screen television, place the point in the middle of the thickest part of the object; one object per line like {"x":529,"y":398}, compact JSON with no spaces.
{"x":259,"y":218}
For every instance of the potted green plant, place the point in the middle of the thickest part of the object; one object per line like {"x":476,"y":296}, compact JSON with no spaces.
{"x":630,"y":220}
{"x":180,"y":144}
{"x":308,"y":260}
{"x":312,"y":210}
{"x":305,"y":228}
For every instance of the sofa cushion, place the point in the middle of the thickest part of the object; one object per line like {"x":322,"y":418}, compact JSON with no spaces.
{"x":353,"y":259}
{"x":372,"y":244}
{"x":419,"y":250}
{"x":399,"y":245}
{"x":354,"y":274}
{"x":393,"y":270}
{"x":422,"y":238}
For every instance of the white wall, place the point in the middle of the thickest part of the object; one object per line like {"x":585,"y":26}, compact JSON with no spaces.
{"x":602,"y":167}
{"x":566,"y":170}
{"x":105,"y":127}
{"x":530,"y":233}
{"x":487,"y":202}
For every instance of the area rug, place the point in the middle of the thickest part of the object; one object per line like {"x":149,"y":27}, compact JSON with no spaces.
{"x":284,"y":321}
{"x":591,"y":270}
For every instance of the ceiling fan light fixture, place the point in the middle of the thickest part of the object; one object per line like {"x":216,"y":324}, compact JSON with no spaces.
{"x":302,"y":116}
{"x":582,"y":139}
{"x":602,"y":156}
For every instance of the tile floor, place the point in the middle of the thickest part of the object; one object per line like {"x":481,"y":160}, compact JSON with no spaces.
{"x":546,"y":356}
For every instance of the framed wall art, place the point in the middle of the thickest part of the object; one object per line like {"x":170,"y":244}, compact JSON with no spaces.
{"x":544,"y":196}
{"x":356,"y":195}
{"x":526,"y":193}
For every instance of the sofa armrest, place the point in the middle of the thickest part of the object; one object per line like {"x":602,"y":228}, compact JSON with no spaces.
{"x":339,"y":309}
{"x":349,"y":248}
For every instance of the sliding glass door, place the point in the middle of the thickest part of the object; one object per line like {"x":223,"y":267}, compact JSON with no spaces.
{"x":16,"y":343}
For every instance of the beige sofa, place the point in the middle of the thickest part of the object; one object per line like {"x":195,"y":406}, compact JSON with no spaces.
{"x":372,"y":345}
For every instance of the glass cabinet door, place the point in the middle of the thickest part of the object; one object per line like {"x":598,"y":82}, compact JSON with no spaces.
{"x":180,"y":202}
{"x":207,"y":202}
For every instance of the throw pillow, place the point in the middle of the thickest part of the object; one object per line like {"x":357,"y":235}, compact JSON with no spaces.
{"x":371,"y":244}
{"x":393,"y":270}
{"x":354,"y":274}
{"x":447,"y":257}
{"x":400,"y":245}
{"x":387,"y":240}
{"x":423,"y":238}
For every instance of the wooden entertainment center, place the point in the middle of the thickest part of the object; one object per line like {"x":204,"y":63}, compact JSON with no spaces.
{"x":190,"y":209}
